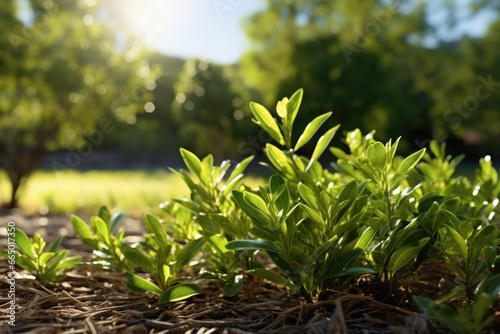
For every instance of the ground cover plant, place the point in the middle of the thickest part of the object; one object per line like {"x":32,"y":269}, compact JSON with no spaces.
{"x":372,"y":228}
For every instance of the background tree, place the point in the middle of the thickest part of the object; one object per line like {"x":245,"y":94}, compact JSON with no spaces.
{"x":208,"y":108}
{"x":62,"y":76}
{"x":376,"y":64}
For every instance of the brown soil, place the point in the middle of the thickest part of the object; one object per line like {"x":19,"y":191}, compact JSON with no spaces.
{"x":92,"y":300}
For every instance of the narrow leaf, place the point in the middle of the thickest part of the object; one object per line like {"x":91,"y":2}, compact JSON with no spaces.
{"x":192,"y":162}
{"x":179,"y":292}
{"x":82,"y":231}
{"x":311,"y":130}
{"x":293,"y":105}
{"x":267,"y":122}
{"x":409,"y":162}
{"x":459,"y":242}
{"x":142,"y":283}
{"x":44,"y":258}
{"x":322,"y":144}
{"x":23,"y":243}
{"x":270,"y":276}
{"x":238,"y":245}
{"x":102,"y":230}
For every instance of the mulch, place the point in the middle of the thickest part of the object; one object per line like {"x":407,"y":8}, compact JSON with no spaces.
{"x":92,"y":300}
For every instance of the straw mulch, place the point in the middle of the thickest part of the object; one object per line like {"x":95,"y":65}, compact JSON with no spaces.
{"x":92,"y":300}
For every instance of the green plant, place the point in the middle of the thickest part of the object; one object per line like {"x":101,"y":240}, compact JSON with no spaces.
{"x":162,"y":258}
{"x":46,"y":265}
{"x":467,"y":319}
{"x":214,"y":212}
{"x":310,"y":229}
{"x":102,"y":236}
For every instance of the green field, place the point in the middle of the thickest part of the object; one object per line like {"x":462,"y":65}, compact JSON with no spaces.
{"x":133,"y":192}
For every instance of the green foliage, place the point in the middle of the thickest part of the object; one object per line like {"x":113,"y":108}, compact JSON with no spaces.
{"x":211,"y":212}
{"x":47,"y":265}
{"x":162,"y":259}
{"x":374,"y":215}
{"x":468,"y":319}
{"x":56,"y":69}
{"x":208,"y":107}
{"x":102,"y":236}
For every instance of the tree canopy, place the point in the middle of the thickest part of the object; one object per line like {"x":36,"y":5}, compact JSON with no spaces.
{"x":64,"y":80}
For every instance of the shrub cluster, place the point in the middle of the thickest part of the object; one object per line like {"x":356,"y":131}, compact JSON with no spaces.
{"x":371,"y":214}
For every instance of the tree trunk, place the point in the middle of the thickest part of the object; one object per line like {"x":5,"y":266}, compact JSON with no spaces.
{"x":16,"y":186}
{"x":20,"y":161}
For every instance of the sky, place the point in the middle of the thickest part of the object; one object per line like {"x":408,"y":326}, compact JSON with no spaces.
{"x":212,"y":29}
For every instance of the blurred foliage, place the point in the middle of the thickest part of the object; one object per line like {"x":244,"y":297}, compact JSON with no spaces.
{"x":398,"y":67}
{"x":379,"y":65}
{"x":62,"y":79}
{"x":207,"y":108}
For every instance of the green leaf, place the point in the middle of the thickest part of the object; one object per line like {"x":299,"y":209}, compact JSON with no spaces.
{"x":311,"y":129}
{"x":83,"y":232}
{"x":443,"y":314}
{"x":270,"y":276}
{"x":189,"y":251}
{"x":485,"y":237}
{"x":257,"y":202}
{"x":104,"y":214}
{"x":322,"y":144}
{"x":405,"y":254}
{"x":409,"y":162}
{"x":459,"y":242}
{"x":179,"y":292}
{"x":44,"y":258}
{"x":233,"y":287}
{"x":314,"y":216}
{"x":281,"y":107}
{"x":238,"y":245}
{"x":137,"y":258}
{"x":102,"y":230}
{"x":192,"y":162}
{"x":154,"y":226}
{"x":357,"y":271}
{"x":267,"y":122}
{"x":309,"y":196}
{"x":293,"y":106}
{"x":257,"y":216}
{"x":240,"y":168}
{"x":142,"y":283}
{"x":24,"y":243}
{"x":278,"y":159}
{"x":55,"y":245}
{"x":115,"y":220}
{"x":69,"y":262}
{"x":377,"y":155}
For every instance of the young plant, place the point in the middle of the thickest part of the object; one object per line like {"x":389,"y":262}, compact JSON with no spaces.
{"x":163,"y":259}
{"x":212,"y":209}
{"x":311,"y":229}
{"x":287,"y":163}
{"x":468,"y":245}
{"x":400,"y":239}
{"x":46,"y":265}
{"x":102,"y":236}
{"x":470,"y":318}
{"x":313,"y":240}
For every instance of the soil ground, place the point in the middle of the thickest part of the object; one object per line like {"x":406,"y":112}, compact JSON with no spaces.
{"x":91,"y":300}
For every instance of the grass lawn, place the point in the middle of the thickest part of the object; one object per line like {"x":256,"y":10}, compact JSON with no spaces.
{"x":133,"y":192}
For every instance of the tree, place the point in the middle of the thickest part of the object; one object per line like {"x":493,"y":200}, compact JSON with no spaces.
{"x":347,"y":57}
{"x":371,"y":63}
{"x":208,"y":108}
{"x":64,"y":86}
